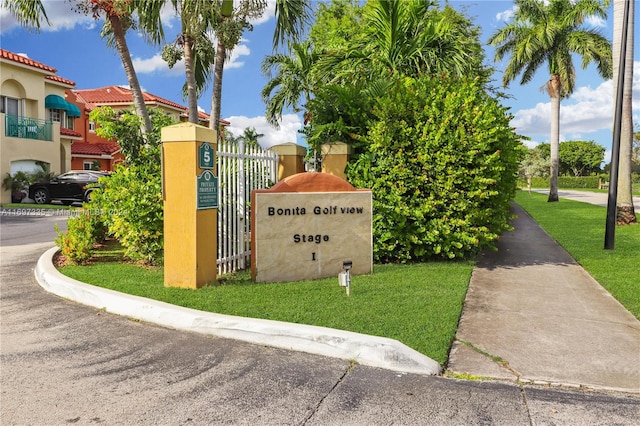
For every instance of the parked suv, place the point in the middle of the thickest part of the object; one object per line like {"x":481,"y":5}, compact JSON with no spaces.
{"x":68,"y":187}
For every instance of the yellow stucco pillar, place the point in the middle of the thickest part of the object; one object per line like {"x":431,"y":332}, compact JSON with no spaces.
{"x":190,"y":193}
{"x":291,"y":159}
{"x":335,"y":157}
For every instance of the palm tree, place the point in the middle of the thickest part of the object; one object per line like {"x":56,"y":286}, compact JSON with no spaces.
{"x":291,"y":17}
{"x":228,"y":25}
{"x":290,"y":80}
{"x":250,"y":137}
{"x":198,"y":17}
{"x":29,"y":13}
{"x":410,"y":37}
{"x":625,"y":212}
{"x":192,"y":44}
{"x":118,"y":22}
{"x":550,"y":32}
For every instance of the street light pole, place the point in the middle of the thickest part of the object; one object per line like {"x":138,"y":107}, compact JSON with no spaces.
{"x":610,"y":230}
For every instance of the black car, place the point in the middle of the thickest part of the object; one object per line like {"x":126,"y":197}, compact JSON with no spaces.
{"x":68,"y":187}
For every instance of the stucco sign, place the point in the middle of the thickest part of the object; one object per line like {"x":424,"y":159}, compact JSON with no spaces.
{"x":307,"y":226}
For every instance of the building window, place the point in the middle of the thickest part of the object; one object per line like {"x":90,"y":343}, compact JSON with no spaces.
{"x":55,"y":115}
{"x":92,"y":165}
{"x":92,"y":126}
{"x":9,"y":106}
{"x":70,"y":123}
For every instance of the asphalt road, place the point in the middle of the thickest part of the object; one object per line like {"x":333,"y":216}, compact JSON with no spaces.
{"x":62,"y":363}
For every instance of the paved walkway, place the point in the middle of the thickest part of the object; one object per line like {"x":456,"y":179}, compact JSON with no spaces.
{"x":597,"y":198}
{"x":533,"y":314}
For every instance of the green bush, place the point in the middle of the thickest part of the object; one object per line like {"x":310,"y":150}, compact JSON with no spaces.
{"x":442,"y":164}
{"x":130,"y":205}
{"x":83,"y":231}
{"x":579,"y":181}
{"x":536,"y":182}
{"x":129,"y":202}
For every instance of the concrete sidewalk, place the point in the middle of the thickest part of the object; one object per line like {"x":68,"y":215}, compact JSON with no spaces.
{"x":532,"y":314}
{"x":597,"y":198}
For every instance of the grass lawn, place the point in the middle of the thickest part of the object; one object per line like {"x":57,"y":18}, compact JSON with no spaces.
{"x":418,"y":305}
{"x":36,"y":206}
{"x":579,"y":228}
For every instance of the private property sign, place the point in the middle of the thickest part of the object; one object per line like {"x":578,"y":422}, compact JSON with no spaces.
{"x":307,"y":226}
{"x":207,"y":190}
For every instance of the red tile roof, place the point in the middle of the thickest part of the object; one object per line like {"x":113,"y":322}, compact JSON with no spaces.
{"x":119,"y":95}
{"x":68,"y":132}
{"x":201,"y":115}
{"x":59,"y":79}
{"x":102,"y":148}
{"x":20,"y":59}
{"x":5,"y":54}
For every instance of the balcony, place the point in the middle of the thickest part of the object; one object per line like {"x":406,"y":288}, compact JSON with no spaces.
{"x":27,"y":128}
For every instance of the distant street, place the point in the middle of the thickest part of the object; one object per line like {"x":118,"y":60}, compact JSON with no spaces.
{"x":597,"y":198}
{"x":63,"y":363}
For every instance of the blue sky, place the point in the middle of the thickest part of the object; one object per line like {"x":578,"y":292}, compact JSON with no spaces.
{"x":73,"y":45}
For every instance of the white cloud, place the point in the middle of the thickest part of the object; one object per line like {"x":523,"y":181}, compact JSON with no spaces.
{"x":233,"y":61}
{"x":157,"y":64}
{"x":530,"y":144}
{"x":506,"y":15}
{"x":596,"y":21}
{"x":268,"y":14}
{"x":587,"y":110}
{"x":288,"y":131}
{"x":61,"y":16}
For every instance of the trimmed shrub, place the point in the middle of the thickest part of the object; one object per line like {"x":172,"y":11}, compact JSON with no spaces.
{"x":83,"y":231}
{"x":442,"y":163}
{"x":579,"y":181}
{"x":130,"y":205}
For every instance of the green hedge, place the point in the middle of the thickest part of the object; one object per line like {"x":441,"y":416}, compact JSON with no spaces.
{"x":442,"y":162}
{"x":578,"y":181}
{"x":587,"y":182}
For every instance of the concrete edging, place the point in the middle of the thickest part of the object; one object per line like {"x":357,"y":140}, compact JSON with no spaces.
{"x":367,"y":350}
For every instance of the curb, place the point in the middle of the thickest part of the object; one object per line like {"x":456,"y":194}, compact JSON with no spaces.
{"x":367,"y":350}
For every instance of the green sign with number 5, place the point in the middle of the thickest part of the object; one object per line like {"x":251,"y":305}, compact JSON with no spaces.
{"x":206,"y":156}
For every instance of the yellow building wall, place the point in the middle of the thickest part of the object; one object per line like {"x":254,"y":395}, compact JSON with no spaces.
{"x":32,"y":88}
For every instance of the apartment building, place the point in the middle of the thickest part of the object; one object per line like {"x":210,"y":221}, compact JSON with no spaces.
{"x":37,"y":122}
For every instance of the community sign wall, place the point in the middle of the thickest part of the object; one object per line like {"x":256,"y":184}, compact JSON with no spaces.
{"x":307,"y":226}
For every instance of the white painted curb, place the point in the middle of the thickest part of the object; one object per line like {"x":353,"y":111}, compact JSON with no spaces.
{"x":364,"y":349}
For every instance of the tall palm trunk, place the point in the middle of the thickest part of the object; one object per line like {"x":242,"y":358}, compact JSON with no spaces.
{"x":553,"y":88}
{"x":192,"y":93}
{"x":216,"y":96}
{"x":134,"y":84}
{"x":625,"y":213}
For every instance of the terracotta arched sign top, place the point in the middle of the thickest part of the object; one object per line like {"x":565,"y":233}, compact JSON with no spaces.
{"x":312,"y":182}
